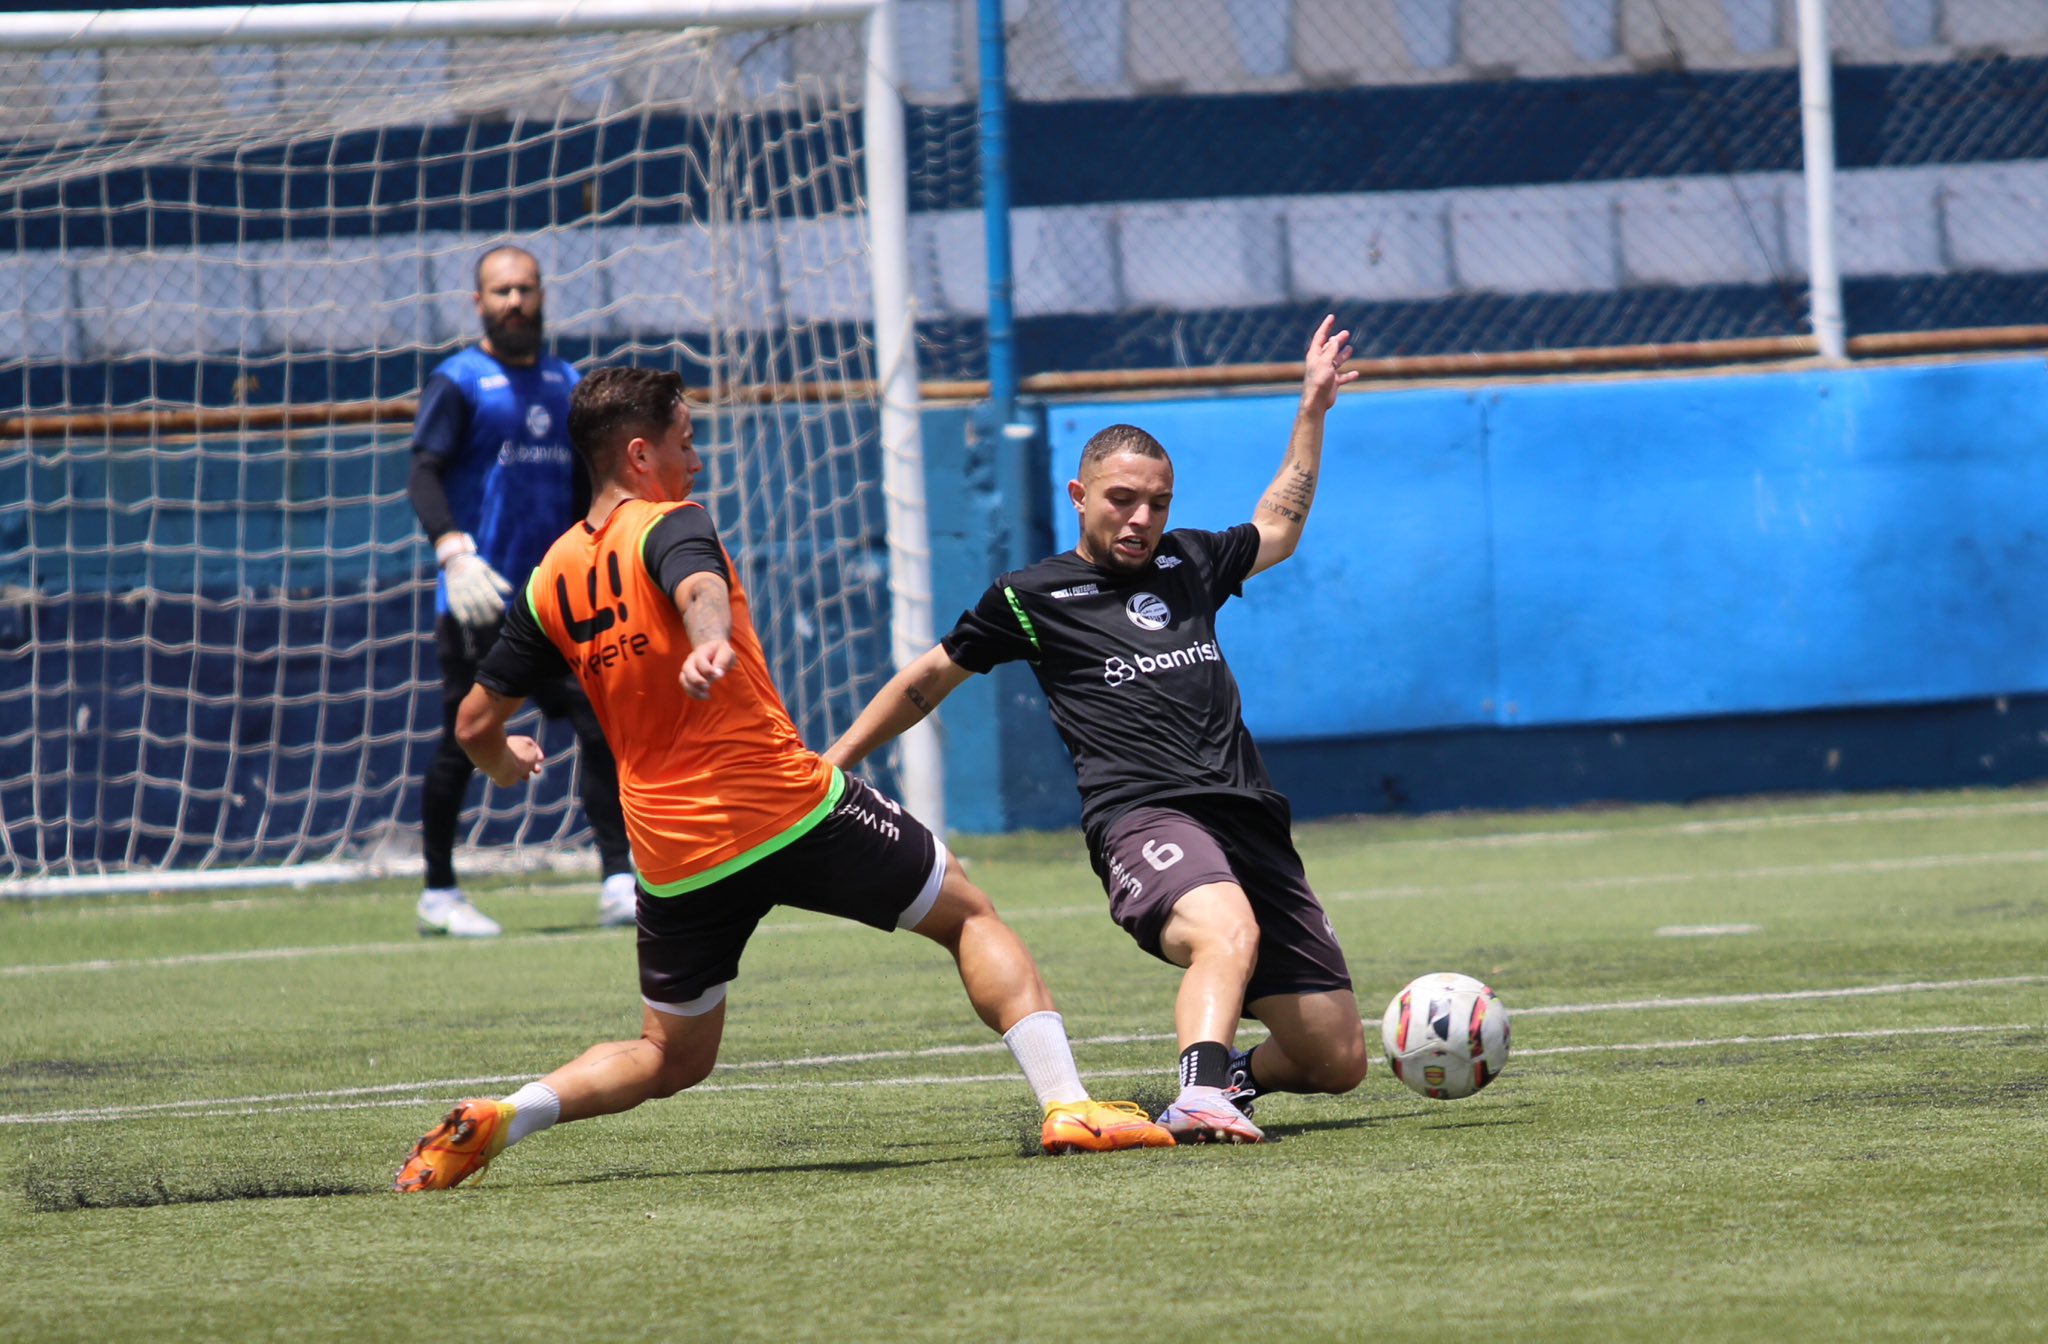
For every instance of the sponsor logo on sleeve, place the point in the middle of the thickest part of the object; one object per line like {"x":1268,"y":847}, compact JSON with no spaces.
{"x":1078,"y":590}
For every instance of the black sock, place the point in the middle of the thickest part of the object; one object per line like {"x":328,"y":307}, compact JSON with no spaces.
{"x":1205,"y":1064}
{"x":1246,"y":1079}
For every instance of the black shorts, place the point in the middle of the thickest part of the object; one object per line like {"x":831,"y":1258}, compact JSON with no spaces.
{"x":1150,"y":857}
{"x":868,"y":860}
{"x":460,"y":649}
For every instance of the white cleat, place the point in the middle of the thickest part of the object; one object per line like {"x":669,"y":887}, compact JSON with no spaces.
{"x":618,"y":906}
{"x":448,"y":911}
{"x":1207,"y":1115}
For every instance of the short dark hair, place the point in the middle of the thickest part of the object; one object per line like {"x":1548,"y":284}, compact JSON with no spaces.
{"x":477,"y":283}
{"x":612,"y":407}
{"x":1106,"y":443}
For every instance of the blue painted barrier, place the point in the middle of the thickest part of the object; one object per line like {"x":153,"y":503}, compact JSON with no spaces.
{"x":1591,"y":552}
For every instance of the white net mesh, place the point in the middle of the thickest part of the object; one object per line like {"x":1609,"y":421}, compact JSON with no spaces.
{"x":231,"y":266}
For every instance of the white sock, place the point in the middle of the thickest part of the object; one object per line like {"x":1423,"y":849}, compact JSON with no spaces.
{"x":534,"y":1108}
{"x":441,"y":896}
{"x":1039,"y":1041}
{"x":620,"y":886}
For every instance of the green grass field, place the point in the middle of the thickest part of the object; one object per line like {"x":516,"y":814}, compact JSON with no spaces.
{"x":1780,"y":1073}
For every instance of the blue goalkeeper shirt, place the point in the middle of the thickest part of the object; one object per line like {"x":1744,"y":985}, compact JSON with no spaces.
{"x":501,"y":434}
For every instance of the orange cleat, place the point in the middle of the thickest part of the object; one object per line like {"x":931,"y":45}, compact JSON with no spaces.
{"x":460,"y":1147}
{"x":1099,"y":1127}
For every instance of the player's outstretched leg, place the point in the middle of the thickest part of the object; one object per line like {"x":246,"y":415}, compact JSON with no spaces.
{"x":676,"y":1050}
{"x":1003,"y":983}
{"x":1213,"y":933}
{"x":1317,"y":1045}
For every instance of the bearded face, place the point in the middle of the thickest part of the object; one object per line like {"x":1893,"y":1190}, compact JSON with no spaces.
{"x":515,"y":334}
{"x":508,"y":301}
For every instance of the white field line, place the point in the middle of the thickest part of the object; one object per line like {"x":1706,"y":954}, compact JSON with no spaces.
{"x":1791,"y":1038}
{"x":1838,"y":868}
{"x":1721,"y":826}
{"x":437,"y":1093}
{"x":1706,"y":930}
{"x":1778,"y":996}
{"x":441,"y":1089}
{"x":1842,"y":868}
{"x":229,"y":904}
{"x":286,"y":953}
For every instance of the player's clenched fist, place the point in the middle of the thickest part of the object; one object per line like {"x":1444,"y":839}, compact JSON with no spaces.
{"x":707,"y":663}
{"x":522,"y":760}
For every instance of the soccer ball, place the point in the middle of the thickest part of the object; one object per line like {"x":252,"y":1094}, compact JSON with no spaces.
{"x":1446,"y":1035}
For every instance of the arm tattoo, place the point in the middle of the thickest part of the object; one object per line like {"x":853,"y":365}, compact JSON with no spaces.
{"x":707,"y":616}
{"x":1291,"y":496}
{"x":916,"y":697}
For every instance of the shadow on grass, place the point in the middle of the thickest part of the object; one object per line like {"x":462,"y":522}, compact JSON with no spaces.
{"x":862,"y":1167}
{"x":68,"y":1194}
{"x":1446,"y":1116}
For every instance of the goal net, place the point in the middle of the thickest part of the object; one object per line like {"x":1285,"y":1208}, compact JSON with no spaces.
{"x":234,"y":262}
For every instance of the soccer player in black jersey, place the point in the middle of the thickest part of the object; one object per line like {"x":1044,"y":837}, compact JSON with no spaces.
{"x":1190,"y":838}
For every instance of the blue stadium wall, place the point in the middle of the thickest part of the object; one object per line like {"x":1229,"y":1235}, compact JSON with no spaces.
{"x":1556,"y":593}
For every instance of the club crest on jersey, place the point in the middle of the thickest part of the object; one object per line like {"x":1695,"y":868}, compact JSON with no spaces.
{"x":1166,"y":561}
{"x":538,"y":421}
{"x":1148,"y":611}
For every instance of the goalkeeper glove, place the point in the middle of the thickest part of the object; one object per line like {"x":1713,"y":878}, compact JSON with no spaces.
{"x":476,"y":592}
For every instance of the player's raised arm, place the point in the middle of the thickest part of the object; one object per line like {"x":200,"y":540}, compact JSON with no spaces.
{"x":910,"y":696}
{"x":1283,"y":509}
{"x":705,"y":604}
{"x":480,"y":728}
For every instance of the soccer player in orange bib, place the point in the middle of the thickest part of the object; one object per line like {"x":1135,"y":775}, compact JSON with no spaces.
{"x":728,"y":813}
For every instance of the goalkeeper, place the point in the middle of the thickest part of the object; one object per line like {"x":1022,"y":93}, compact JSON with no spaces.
{"x":494,"y":481}
{"x":1188,"y":835}
{"x":730,"y":814}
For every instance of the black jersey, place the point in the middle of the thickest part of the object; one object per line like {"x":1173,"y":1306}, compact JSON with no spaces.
{"x":1129,"y":663}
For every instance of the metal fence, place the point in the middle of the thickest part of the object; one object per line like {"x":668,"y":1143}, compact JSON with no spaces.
{"x":1192,"y":179}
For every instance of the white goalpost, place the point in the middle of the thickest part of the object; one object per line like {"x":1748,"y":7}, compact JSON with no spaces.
{"x":239,"y":240}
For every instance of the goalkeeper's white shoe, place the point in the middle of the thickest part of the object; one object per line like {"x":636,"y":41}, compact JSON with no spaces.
{"x":448,"y":911}
{"x":618,"y":906}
